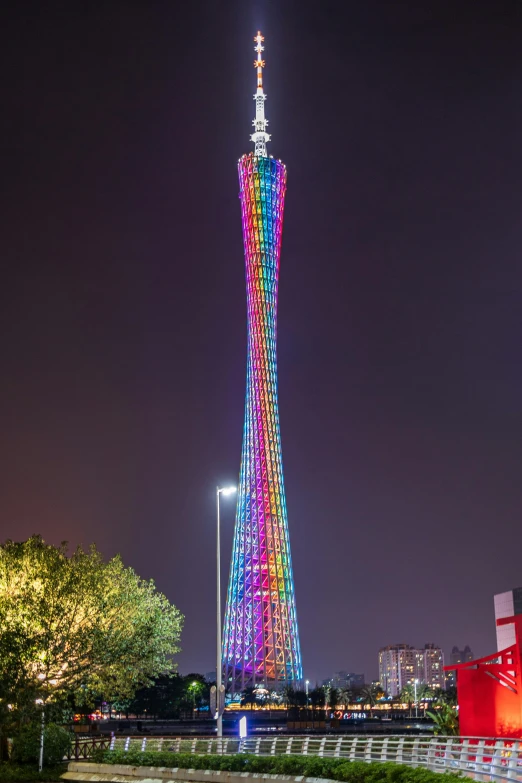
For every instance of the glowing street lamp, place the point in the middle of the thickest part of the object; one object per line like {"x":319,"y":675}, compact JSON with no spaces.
{"x":415,"y":683}
{"x":193,"y":687}
{"x":226,"y":491}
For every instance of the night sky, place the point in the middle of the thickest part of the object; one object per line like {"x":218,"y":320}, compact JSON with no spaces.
{"x":123,"y":312}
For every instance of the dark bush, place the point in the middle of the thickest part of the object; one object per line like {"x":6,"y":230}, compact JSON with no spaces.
{"x":23,"y":773}
{"x":308,"y":766}
{"x":26,"y":744}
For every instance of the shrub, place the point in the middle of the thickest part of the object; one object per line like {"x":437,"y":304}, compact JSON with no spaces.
{"x":22,"y":773}
{"x":308,"y":766}
{"x":26,"y":744}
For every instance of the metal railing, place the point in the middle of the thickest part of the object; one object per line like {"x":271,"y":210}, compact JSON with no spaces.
{"x":82,"y":748}
{"x":484,"y":759}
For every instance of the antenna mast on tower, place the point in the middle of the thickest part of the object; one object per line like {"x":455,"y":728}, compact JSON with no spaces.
{"x":260,"y":137}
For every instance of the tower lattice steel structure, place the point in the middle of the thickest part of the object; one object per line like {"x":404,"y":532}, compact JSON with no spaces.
{"x":261,"y":640}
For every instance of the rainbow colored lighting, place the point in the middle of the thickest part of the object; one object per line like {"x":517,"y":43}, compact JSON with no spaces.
{"x":260,"y":639}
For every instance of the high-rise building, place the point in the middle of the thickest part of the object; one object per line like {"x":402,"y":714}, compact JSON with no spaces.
{"x":461,"y":656}
{"x":401,"y":664}
{"x":344,"y":679}
{"x":260,"y":636}
{"x":507,"y":605}
{"x":398,"y":666}
{"x":434,"y":667}
{"x":457,"y":656}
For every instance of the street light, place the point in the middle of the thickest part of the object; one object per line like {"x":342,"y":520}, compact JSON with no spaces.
{"x":193,"y":689}
{"x":307,"y":683}
{"x":40,"y":756}
{"x":415,"y":682}
{"x":41,"y":702}
{"x":219,"y":491}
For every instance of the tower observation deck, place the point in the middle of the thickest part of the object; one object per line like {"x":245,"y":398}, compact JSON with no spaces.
{"x":260,"y":637}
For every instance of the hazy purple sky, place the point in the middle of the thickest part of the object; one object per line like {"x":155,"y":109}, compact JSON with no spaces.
{"x":123,"y":308}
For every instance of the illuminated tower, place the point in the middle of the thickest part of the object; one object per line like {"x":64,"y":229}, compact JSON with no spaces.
{"x":261,"y":640}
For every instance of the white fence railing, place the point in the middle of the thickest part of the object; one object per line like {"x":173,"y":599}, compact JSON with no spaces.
{"x":490,"y":759}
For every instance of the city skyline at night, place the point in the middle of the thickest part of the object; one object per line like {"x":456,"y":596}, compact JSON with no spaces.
{"x":122,"y":401}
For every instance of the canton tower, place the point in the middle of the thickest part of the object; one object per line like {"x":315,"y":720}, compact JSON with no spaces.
{"x":260,"y":638}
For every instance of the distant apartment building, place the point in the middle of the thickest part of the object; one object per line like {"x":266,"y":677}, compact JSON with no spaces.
{"x":402,"y":664}
{"x":507,"y":605}
{"x":457,"y":656}
{"x":344,"y":679}
{"x":434,"y":667}
{"x":398,"y":666}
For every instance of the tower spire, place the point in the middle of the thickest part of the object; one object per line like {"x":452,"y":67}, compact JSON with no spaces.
{"x":260,"y":137}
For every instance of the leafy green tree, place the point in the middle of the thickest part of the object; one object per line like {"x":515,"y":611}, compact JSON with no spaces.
{"x":195,"y":689}
{"x":249,"y":696}
{"x":346,"y":697}
{"x":446,"y":720}
{"x":448,"y":696}
{"x":164,"y":698}
{"x":74,"y":624}
{"x":424,"y":694}
{"x":289,"y":697}
{"x":26,"y":745}
{"x":369,"y":695}
{"x":408,"y":696}
{"x":121,"y":706}
{"x":317,"y":698}
{"x":300,"y":698}
{"x":294,"y":699}
{"x":334,"y":697}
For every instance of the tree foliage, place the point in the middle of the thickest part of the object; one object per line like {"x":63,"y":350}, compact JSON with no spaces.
{"x":370,"y":694}
{"x":346,"y":696}
{"x":165,"y":698}
{"x":249,"y":696}
{"x":26,"y":745}
{"x":446,"y":720}
{"x":317,"y":698}
{"x":333,"y":697}
{"x":74,"y":624}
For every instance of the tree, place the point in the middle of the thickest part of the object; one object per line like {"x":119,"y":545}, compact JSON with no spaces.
{"x":346,"y":697}
{"x":408,"y":695}
{"x":448,"y":696}
{"x":249,"y":696}
{"x":73,"y":624}
{"x":289,"y":697}
{"x":446,"y":720}
{"x":369,"y":695}
{"x":166,"y":697}
{"x":317,"y":699}
{"x":196,"y":689}
{"x":295,"y":700}
{"x":412,"y":697}
{"x":424,"y":693}
{"x":334,"y":697}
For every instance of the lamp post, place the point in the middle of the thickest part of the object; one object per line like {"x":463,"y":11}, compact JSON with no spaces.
{"x":193,"y":689}
{"x":40,"y":755}
{"x":307,"y":683}
{"x":415,"y":683}
{"x":219,"y":491}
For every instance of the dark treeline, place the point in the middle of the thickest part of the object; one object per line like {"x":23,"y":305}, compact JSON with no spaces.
{"x":170,"y":696}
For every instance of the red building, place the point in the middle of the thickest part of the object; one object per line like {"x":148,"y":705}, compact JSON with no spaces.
{"x":489,"y":690}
